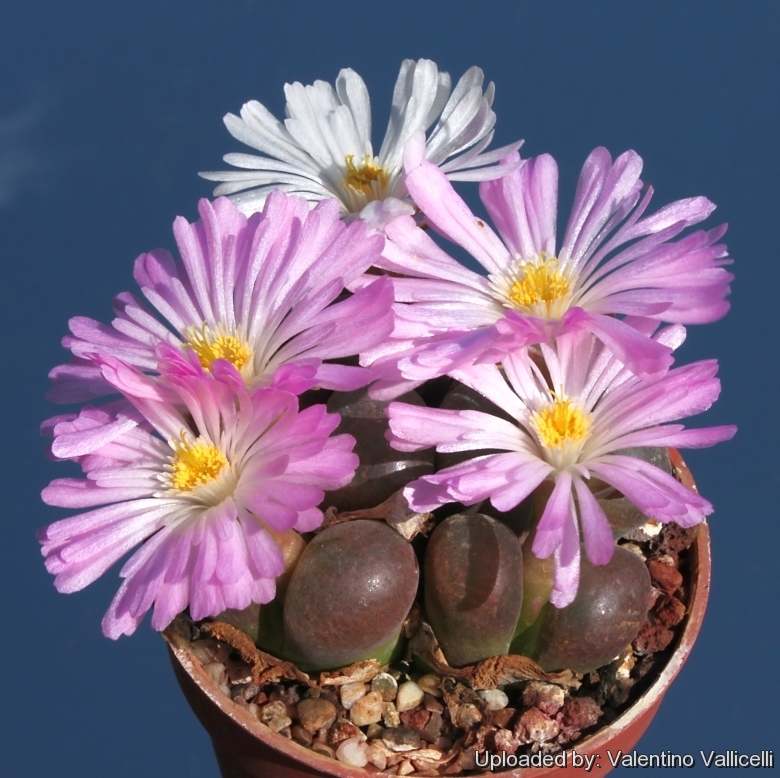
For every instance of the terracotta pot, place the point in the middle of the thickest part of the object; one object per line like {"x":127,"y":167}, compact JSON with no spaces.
{"x":245,"y":748}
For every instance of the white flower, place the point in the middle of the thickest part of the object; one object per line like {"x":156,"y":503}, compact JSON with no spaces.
{"x":323,"y":148}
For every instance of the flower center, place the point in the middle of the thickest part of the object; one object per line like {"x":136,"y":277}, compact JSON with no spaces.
{"x":561,"y":423}
{"x":368,"y":181}
{"x":538,"y":282}
{"x":195,"y":464}
{"x":210,"y":345}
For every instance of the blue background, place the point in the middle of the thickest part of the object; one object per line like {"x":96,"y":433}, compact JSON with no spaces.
{"x":106,"y":114}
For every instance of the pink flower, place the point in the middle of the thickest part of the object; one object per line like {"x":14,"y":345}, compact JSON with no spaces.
{"x":612,"y":262}
{"x":568,"y":428}
{"x":261,"y":293}
{"x":203,"y":489}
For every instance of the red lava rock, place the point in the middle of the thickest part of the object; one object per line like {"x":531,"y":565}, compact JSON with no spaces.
{"x":415,"y":719}
{"x":547,"y":697}
{"x":505,"y":741}
{"x":501,"y":718}
{"x":665,"y":576}
{"x":342,"y":730}
{"x":652,"y":638}
{"x":579,"y":712}
{"x":672,"y":539}
{"x":533,"y":726}
{"x":670,"y":613}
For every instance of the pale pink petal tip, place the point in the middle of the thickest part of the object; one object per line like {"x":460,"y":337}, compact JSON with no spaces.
{"x":268,"y":466}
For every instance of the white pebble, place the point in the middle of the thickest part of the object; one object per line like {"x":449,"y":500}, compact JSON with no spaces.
{"x":350,"y":693}
{"x":217,"y":672}
{"x":367,"y":710}
{"x":430,"y":683}
{"x":409,"y":696}
{"x":495,"y":699}
{"x":353,"y":751}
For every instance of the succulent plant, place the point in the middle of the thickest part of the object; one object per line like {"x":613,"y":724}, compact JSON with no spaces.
{"x":610,"y":607}
{"x":349,"y":595}
{"x":473,"y":586}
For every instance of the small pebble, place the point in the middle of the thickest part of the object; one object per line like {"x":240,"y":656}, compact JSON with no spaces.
{"x":433,"y":727}
{"x":316,"y":712}
{"x":342,"y":730}
{"x":665,"y":575}
{"x":401,"y":739}
{"x":238,"y":671}
{"x":501,"y":718}
{"x":547,"y":697}
{"x":279,"y":723}
{"x":430,"y":683}
{"x":376,"y":755}
{"x":374,"y":731}
{"x":301,"y":735}
{"x":535,"y":727}
{"x":409,"y":696}
{"x":468,"y":715}
{"x":443,"y":743}
{"x":405,"y":768}
{"x":626,"y":666}
{"x":323,"y":748}
{"x":274,"y":716}
{"x":350,"y":693}
{"x":495,"y":699}
{"x":353,"y":752}
{"x":505,"y":741}
{"x":367,"y":709}
{"x":415,"y":719}
{"x":390,"y":717}
{"x":467,"y":759}
{"x":273,"y":710}
{"x":386,"y":685}
{"x":580,"y":712}
{"x":217,"y":672}
{"x":204,"y":650}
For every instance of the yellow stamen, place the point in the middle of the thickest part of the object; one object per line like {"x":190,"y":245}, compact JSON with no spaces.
{"x":210,"y":346}
{"x":561,"y":423}
{"x":539,"y":283}
{"x":195,"y":464}
{"x":363,"y":179}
